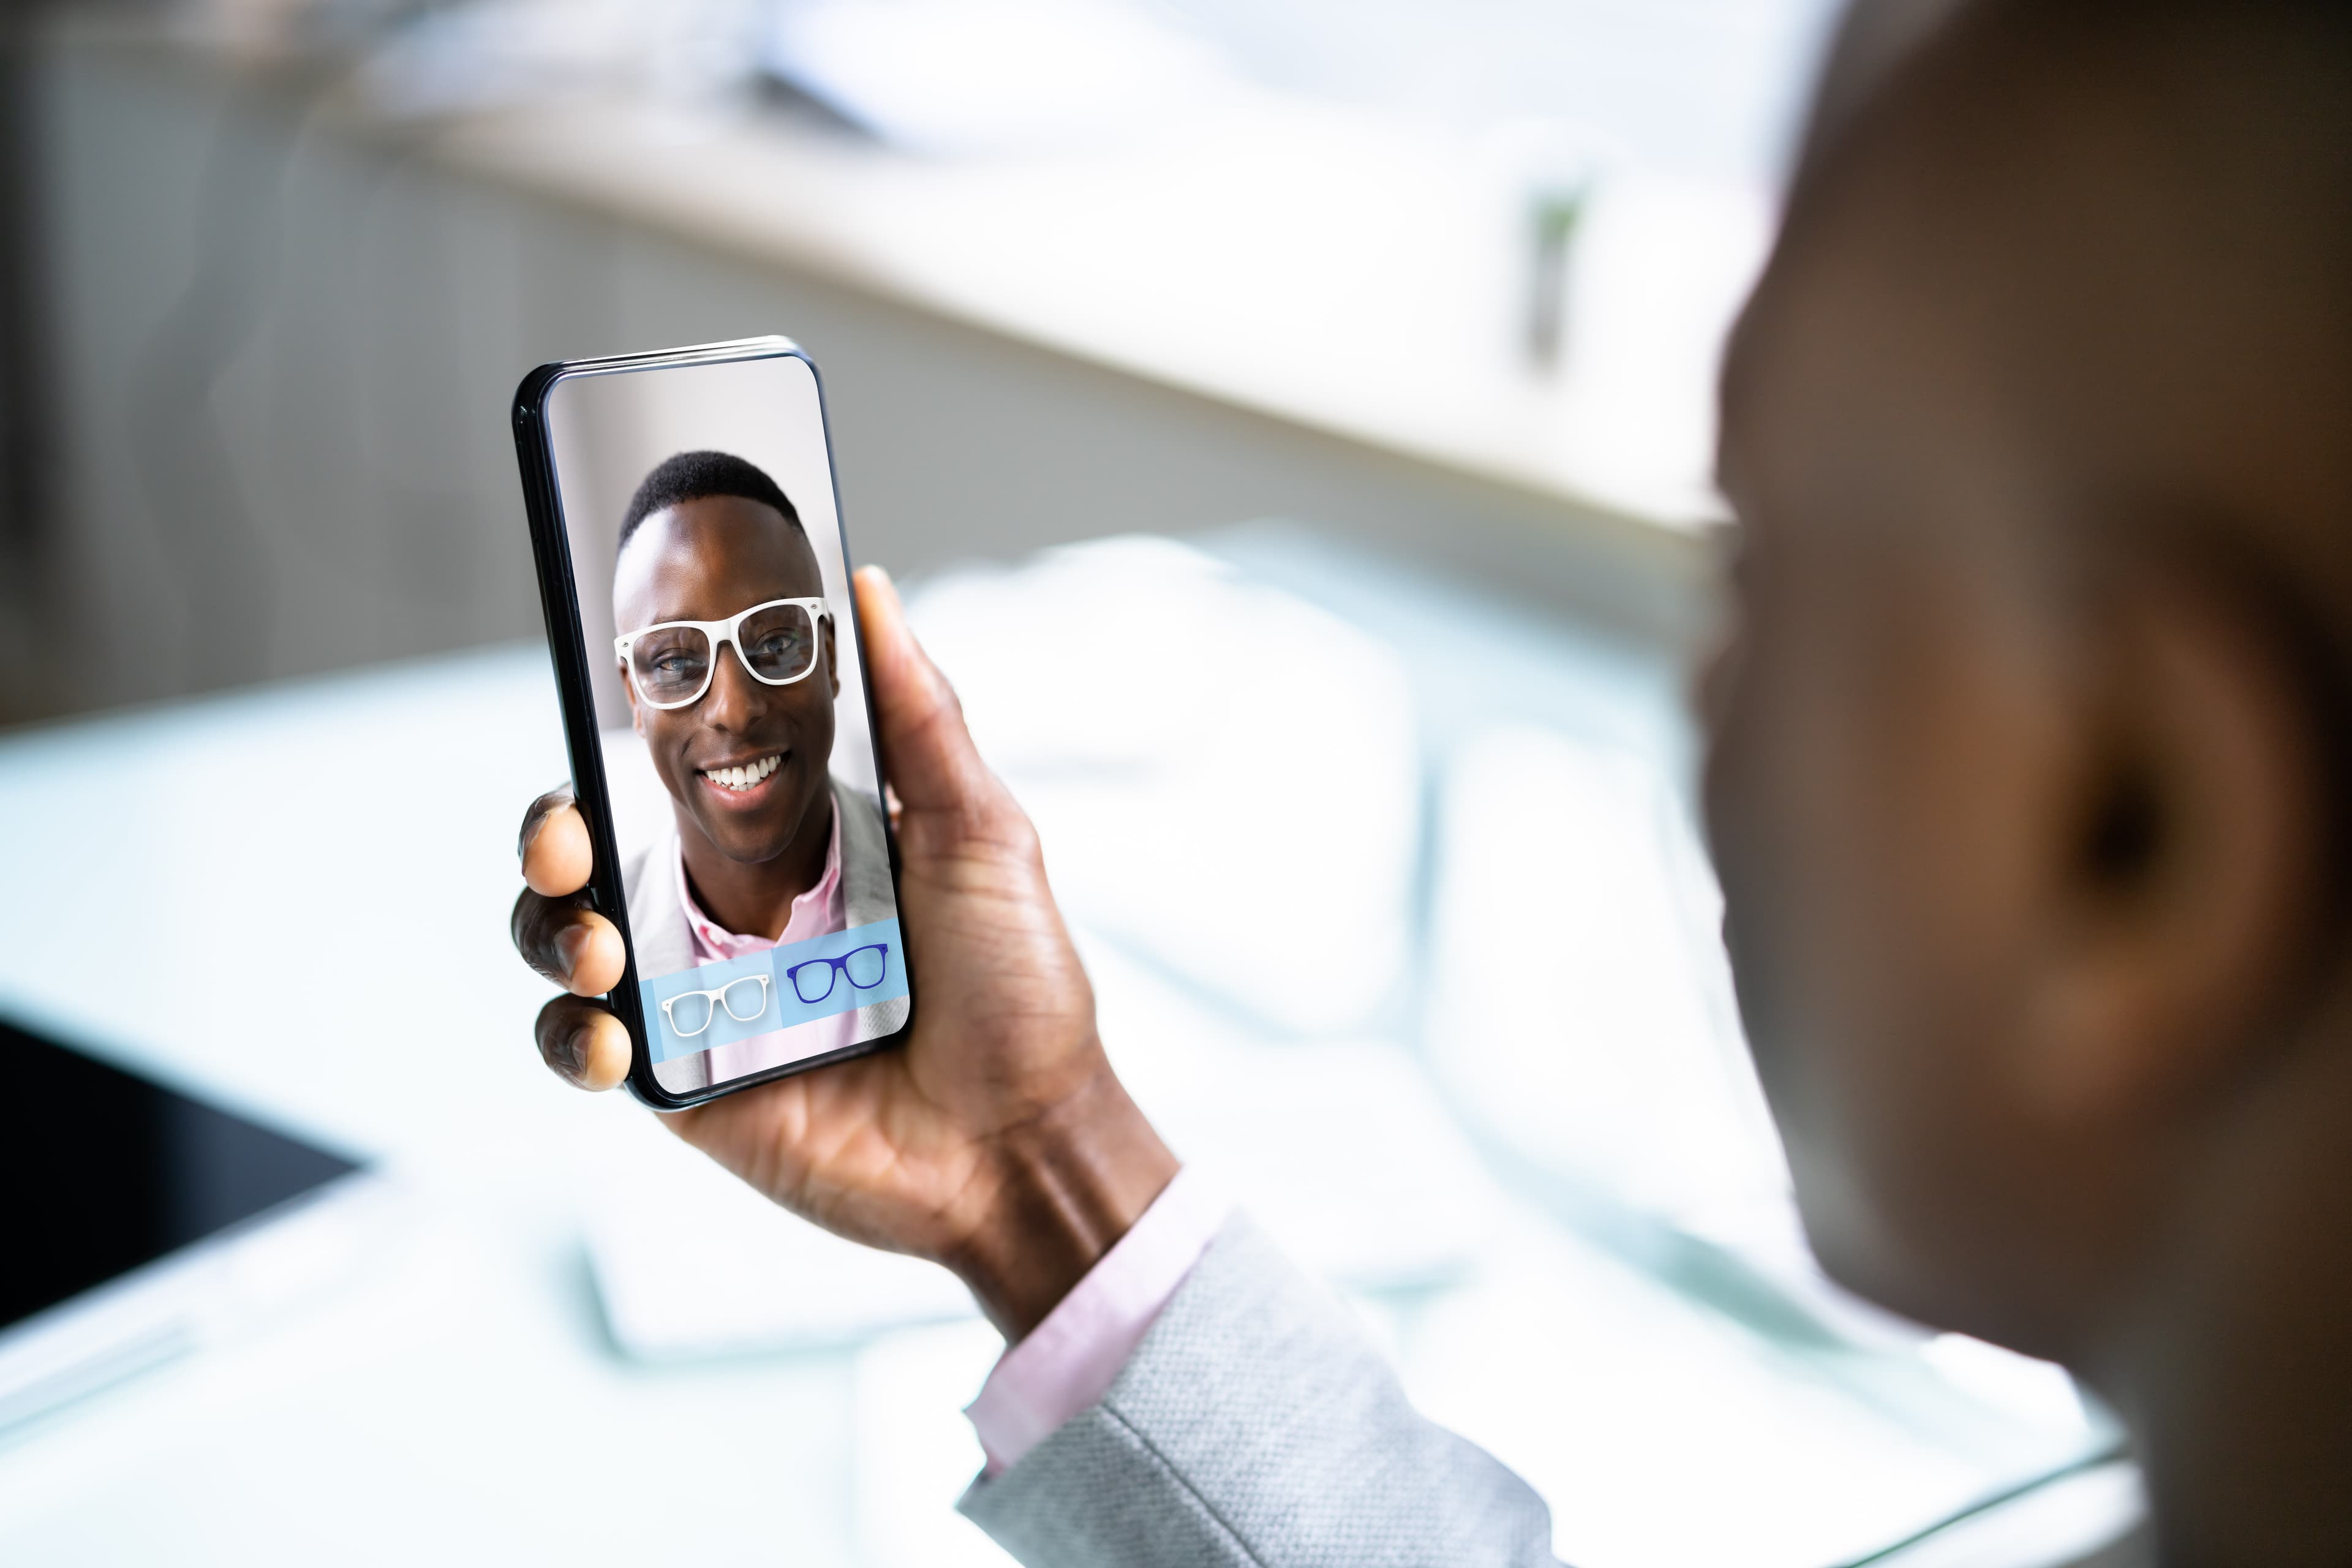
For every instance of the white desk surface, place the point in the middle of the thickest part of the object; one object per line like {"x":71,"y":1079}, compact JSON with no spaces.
{"x":295,"y":899}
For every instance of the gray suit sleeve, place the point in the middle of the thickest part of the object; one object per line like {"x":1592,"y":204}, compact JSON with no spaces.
{"x":1255,"y":1424}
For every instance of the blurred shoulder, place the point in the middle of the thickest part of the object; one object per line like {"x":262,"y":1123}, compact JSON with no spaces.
{"x":867,"y":892}
{"x":861,"y":813}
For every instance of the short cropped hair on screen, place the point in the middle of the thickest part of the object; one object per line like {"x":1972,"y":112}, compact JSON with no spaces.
{"x":695,"y":476}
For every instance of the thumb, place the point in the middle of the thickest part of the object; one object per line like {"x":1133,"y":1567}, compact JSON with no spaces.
{"x":933,"y":765}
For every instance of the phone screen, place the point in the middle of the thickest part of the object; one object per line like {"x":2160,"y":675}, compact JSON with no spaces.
{"x":697,"y":507}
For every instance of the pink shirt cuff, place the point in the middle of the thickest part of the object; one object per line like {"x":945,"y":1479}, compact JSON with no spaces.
{"x":1068,"y":1362}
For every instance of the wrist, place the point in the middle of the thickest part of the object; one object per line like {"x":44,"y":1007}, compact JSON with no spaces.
{"x":1062,"y":1188}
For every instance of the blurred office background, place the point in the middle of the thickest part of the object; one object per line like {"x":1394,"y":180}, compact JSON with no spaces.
{"x":1293,"y":422}
{"x":1444,"y":278}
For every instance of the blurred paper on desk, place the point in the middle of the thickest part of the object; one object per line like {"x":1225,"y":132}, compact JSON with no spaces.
{"x":1345,"y":1154}
{"x":1341,"y":1150}
{"x":1226,"y":778}
{"x":1579,"y":1001}
{"x":689,"y":1262}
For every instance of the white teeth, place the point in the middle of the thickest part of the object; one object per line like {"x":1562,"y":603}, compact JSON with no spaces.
{"x":744,"y":777}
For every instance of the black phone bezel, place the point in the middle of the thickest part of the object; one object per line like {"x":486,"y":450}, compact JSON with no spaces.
{"x":567,"y":649}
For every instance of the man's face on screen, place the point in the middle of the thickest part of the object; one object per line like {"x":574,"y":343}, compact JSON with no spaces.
{"x":705,"y":560}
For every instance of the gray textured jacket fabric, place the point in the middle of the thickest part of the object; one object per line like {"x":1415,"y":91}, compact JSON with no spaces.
{"x":1255,"y":1428}
{"x":1255,"y":1424}
{"x":664,"y":945}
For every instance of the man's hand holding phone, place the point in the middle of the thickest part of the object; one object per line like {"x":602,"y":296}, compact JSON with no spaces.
{"x":997,"y":1141}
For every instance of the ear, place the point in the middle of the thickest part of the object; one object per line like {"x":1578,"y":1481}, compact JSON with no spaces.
{"x":2193,"y":871}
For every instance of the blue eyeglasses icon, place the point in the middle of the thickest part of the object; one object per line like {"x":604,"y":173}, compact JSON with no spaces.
{"x":812,"y":981}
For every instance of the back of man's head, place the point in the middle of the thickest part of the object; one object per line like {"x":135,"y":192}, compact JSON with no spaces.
{"x":2144,"y":208}
{"x":2032,"y":773}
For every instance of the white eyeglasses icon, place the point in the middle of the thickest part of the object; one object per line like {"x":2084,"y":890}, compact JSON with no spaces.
{"x":691,"y":1012}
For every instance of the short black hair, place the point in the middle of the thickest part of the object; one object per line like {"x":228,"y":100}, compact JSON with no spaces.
{"x":693,"y":475}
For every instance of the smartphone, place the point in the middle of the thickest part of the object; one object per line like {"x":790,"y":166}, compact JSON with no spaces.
{"x":695,"y":575}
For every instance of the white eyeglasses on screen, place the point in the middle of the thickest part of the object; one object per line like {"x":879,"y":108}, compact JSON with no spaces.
{"x":691,"y":1012}
{"x":671,"y":662}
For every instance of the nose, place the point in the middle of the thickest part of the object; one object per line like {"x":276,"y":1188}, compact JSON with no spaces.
{"x":735,"y":699}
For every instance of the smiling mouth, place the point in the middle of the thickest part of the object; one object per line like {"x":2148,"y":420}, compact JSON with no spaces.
{"x":746,"y":777}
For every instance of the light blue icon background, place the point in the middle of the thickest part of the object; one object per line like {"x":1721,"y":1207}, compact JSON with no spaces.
{"x":784,"y":1009}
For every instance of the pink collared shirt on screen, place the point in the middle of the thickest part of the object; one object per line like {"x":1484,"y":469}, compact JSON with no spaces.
{"x":1069,"y":1362}
{"x":819,"y":912}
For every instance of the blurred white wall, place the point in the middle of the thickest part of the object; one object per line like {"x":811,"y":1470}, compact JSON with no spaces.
{"x":282,"y":349}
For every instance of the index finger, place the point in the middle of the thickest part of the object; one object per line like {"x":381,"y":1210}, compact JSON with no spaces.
{"x":556,"y":853}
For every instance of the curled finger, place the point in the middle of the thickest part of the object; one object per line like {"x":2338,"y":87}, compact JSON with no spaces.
{"x":583,"y":1042}
{"x":568,"y":942}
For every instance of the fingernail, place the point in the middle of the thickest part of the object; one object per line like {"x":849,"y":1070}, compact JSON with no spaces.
{"x":568,"y":943}
{"x":531,"y":827}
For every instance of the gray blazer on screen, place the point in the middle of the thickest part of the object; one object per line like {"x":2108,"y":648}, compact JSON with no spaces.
{"x":1255,"y":1428}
